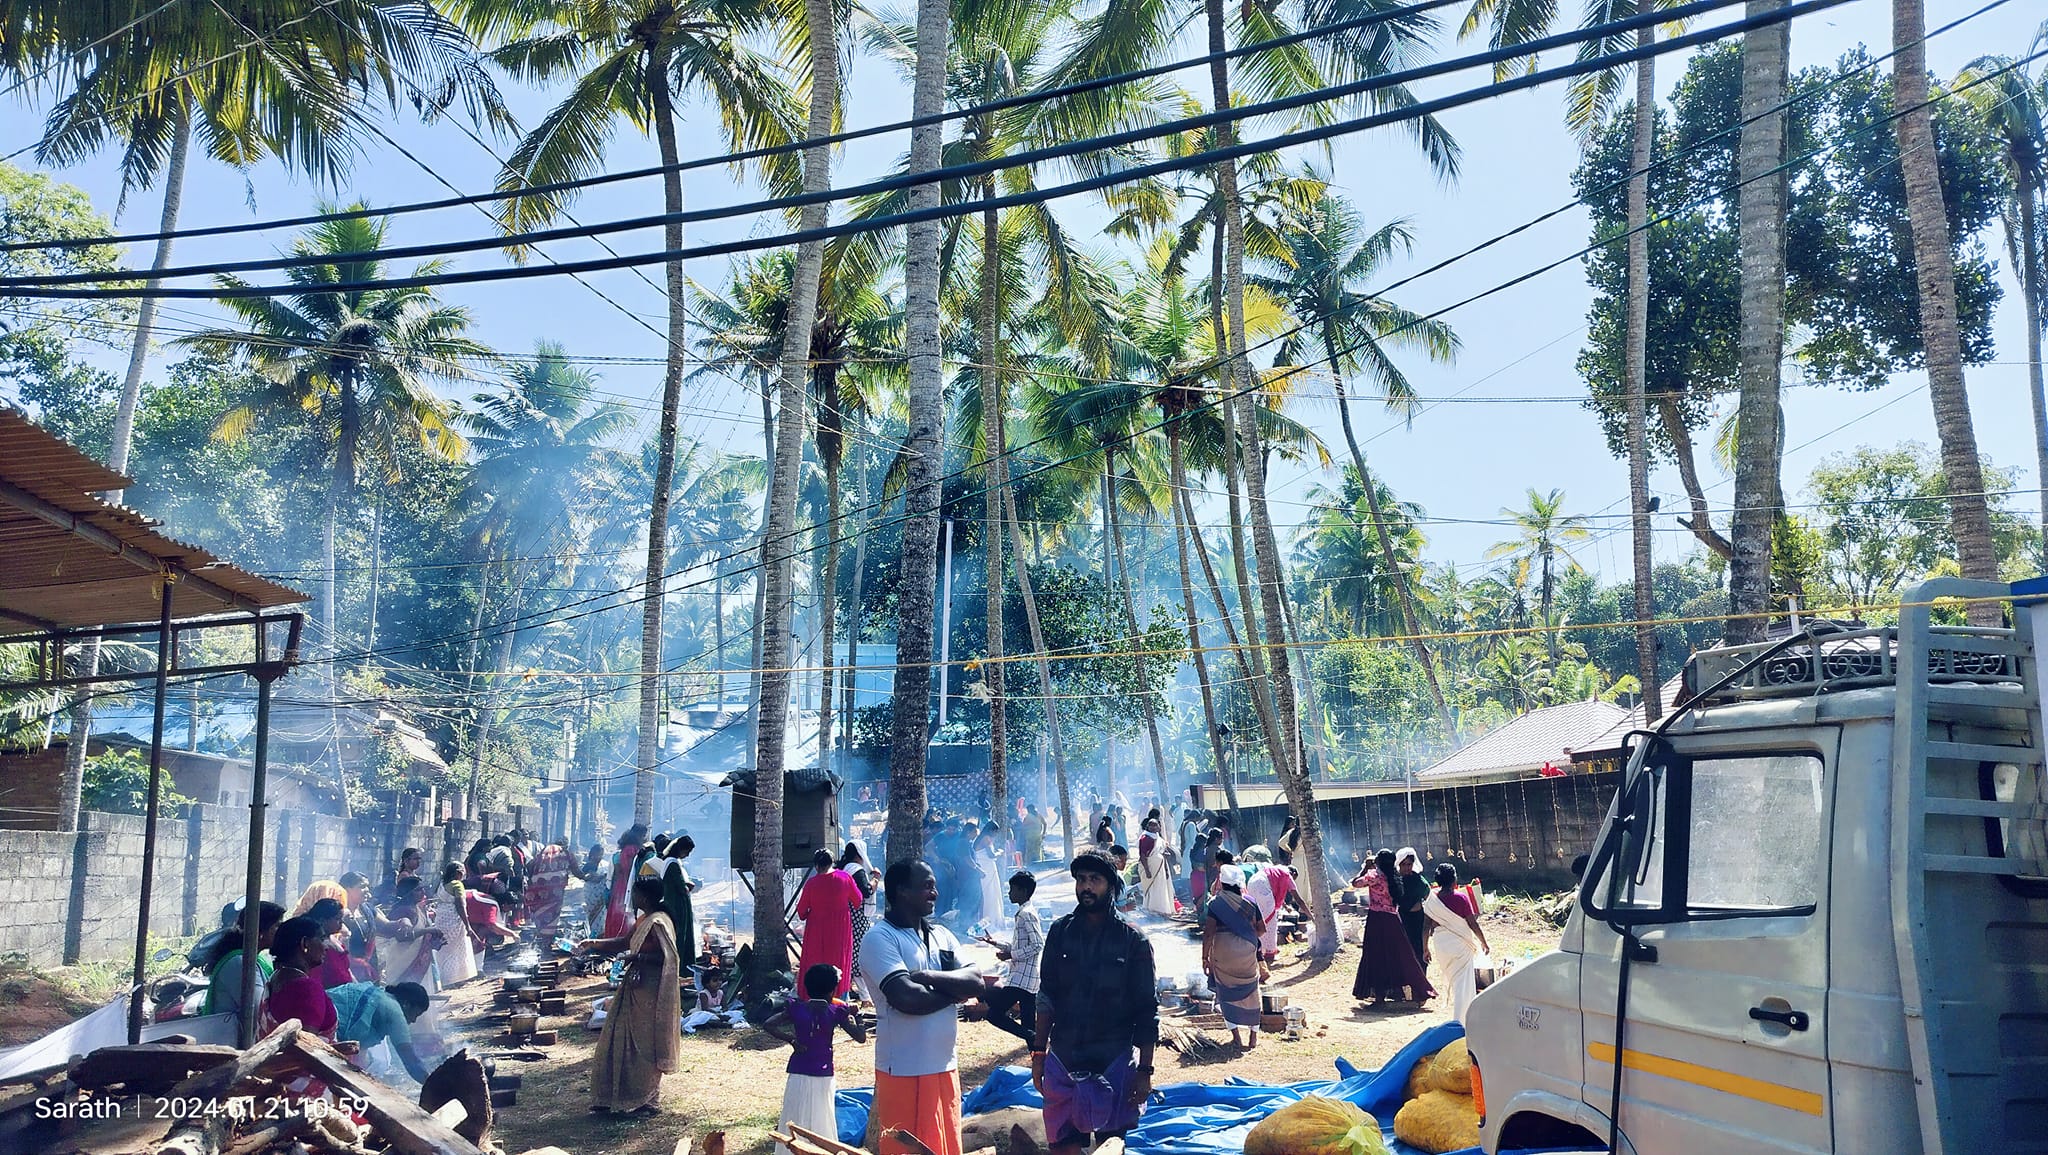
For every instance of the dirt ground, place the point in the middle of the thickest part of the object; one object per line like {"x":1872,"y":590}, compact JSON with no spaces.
{"x":732,"y":1080}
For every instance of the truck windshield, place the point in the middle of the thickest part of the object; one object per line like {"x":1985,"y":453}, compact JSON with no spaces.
{"x":1756,"y":832}
{"x":1724,"y":835}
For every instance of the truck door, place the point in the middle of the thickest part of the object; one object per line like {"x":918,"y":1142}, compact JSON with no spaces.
{"x":1723,"y":885}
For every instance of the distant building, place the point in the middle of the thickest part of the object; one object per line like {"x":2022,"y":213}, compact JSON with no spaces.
{"x":1539,"y":743}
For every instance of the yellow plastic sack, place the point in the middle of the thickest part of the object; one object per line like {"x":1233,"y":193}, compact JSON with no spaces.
{"x":1437,"y":1121}
{"x":1316,"y":1126}
{"x":1451,"y":1069}
{"x":1418,"y":1076}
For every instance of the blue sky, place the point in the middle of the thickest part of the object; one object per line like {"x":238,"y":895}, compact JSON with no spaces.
{"x":1461,"y":460}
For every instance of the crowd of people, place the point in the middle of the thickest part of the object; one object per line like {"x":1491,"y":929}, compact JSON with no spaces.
{"x":359,"y":964}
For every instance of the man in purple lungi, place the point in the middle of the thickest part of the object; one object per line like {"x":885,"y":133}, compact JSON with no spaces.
{"x":1098,"y":1016}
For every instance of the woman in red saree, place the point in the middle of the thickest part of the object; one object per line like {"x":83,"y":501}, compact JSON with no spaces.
{"x":299,"y":947}
{"x":618,"y":912}
{"x":826,"y":904}
{"x":546,"y":878}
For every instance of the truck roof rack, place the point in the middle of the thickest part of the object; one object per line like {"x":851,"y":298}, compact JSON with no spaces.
{"x":1848,"y":657}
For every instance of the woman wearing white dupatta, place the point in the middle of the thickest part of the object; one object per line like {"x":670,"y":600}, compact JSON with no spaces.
{"x":1457,"y":942}
{"x":1155,"y":868}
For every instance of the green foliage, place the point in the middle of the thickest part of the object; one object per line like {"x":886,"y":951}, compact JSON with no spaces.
{"x":1851,"y":307}
{"x":117,"y":782}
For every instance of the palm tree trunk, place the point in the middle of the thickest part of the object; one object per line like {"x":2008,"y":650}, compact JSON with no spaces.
{"x":376,"y":578}
{"x":2031,"y":293}
{"x":718,"y":625}
{"x":855,"y":620}
{"x":1237,"y":648}
{"x":910,"y":734}
{"x":1177,"y":468}
{"x":655,"y":585}
{"x":1760,"y":217}
{"x":88,"y":663}
{"x":1300,"y":792}
{"x":1934,"y":267}
{"x":995,"y":473}
{"x":1108,"y":597}
{"x":1410,"y":620}
{"x":1311,"y":739}
{"x":760,"y":583}
{"x":1635,"y":365}
{"x":1256,"y":684}
{"x":828,"y":609}
{"x":1702,"y":526}
{"x":780,"y":539}
{"x":1137,"y":644}
{"x":1045,"y":688}
{"x":501,"y":664}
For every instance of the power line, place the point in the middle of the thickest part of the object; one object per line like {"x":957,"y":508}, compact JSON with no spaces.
{"x":1021,"y":100}
{"x":34,"y":287}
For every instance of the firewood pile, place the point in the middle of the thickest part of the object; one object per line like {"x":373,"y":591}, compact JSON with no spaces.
{"x":290,"y":1094}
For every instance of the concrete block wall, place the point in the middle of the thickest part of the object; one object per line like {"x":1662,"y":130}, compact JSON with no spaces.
{"x":71,"y":896}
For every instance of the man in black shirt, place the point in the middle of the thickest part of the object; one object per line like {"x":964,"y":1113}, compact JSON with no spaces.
{"x":1098,"y":1016}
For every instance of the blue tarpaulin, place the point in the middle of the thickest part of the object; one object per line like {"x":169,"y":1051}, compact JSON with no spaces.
{"x":1203,"y":1118}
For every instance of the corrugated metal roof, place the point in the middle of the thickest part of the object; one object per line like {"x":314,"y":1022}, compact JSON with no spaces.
{"x":56,"y":575}
{"x":1530,"y":741}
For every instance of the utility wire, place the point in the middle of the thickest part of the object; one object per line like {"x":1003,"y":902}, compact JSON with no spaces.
{"x":977,"y":110}
{"x":35,"y":287}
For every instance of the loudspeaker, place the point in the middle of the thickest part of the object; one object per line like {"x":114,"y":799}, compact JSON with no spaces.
{"x":810,"y":817}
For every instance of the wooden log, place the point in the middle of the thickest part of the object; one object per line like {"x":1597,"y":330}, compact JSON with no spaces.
{"x":403,"y":1127}
{"x":218,"y":1081}
{"x":202,"y":1136}
{"x":798,"y":1146}
{"x":829,"y":1143}
{"x":899,"y":1135}
{"x":148,"y":1068}
{"x":277,"y":1132}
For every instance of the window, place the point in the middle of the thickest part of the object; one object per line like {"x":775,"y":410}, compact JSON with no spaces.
{"x":1756,"y":831}
{"x":1636,"y":878}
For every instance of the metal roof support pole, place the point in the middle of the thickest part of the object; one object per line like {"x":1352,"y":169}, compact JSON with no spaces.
{"x":259,"y":774}
{"x":138,"y":983}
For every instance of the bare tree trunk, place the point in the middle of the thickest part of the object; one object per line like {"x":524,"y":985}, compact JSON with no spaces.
{"x":910,"y":734}
{"x":1934,"y":268}
{"x":1311,"y":739}
{"x":995,"y":473}
{"x":88,"y":661}
{"x":1237,"y":648}
{"x":779,"y":541}
{"x":376,"y":578}
{"x":656,"y":584}
{"x":2031,"y":293}
{"x":1256,"y":684}
{"x":1702,"y":525}
{"x":1178,"y":473}
{"x":1409,"y":618}
{"x":828,"y":611}
{"x":855,"y":620}
{"x":1760,"y":218}
{"x":1635,"y":366}
{"x":1300,"y":791}
{"x":1045,"y":688}
{"x":1137,"y":644}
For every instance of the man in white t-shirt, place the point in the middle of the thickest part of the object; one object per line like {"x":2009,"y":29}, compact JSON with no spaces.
{"x":914,"y":967}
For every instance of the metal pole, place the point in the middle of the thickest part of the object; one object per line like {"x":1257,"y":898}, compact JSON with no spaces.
{"x":138,"y":984}
{"x":252,"y":894}
{"x":945,"y":621}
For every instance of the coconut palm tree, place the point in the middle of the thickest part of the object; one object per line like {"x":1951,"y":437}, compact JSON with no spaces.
{"x":632,"y":61}
{"x":148,"y":76}
{"x":1331,"y":258}
{"x":1545,"y":535}
{"x":543,"y":447}
{"x":359,"y":365}
{"x":1934,"y":269}
{"x":2016,"y":109}
{"x":1590,"y":98}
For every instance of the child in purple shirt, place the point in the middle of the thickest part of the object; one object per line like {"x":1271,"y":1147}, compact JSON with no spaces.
{"x":808,"y":1025}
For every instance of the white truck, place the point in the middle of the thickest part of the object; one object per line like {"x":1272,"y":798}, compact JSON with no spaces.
{"x":1816,"y":917}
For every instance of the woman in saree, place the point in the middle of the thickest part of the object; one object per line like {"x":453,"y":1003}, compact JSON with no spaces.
{"x":617,"y":913}
{"x":547,"y":877}
{"x":1457,"y":941}
{"x":462,"y":944}
{"x":406,"y":939}
{"x":643,"y":1024}
{"x":300,"y":948}
{"x":1387,"y":968}
{"x":1269,"y":889}
{"x":827,"y":904}
{"x":1231,"y":926}
{"x":1155,"y":870}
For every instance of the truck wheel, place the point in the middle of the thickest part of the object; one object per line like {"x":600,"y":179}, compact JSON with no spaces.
{"x":1532,"y":1130}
